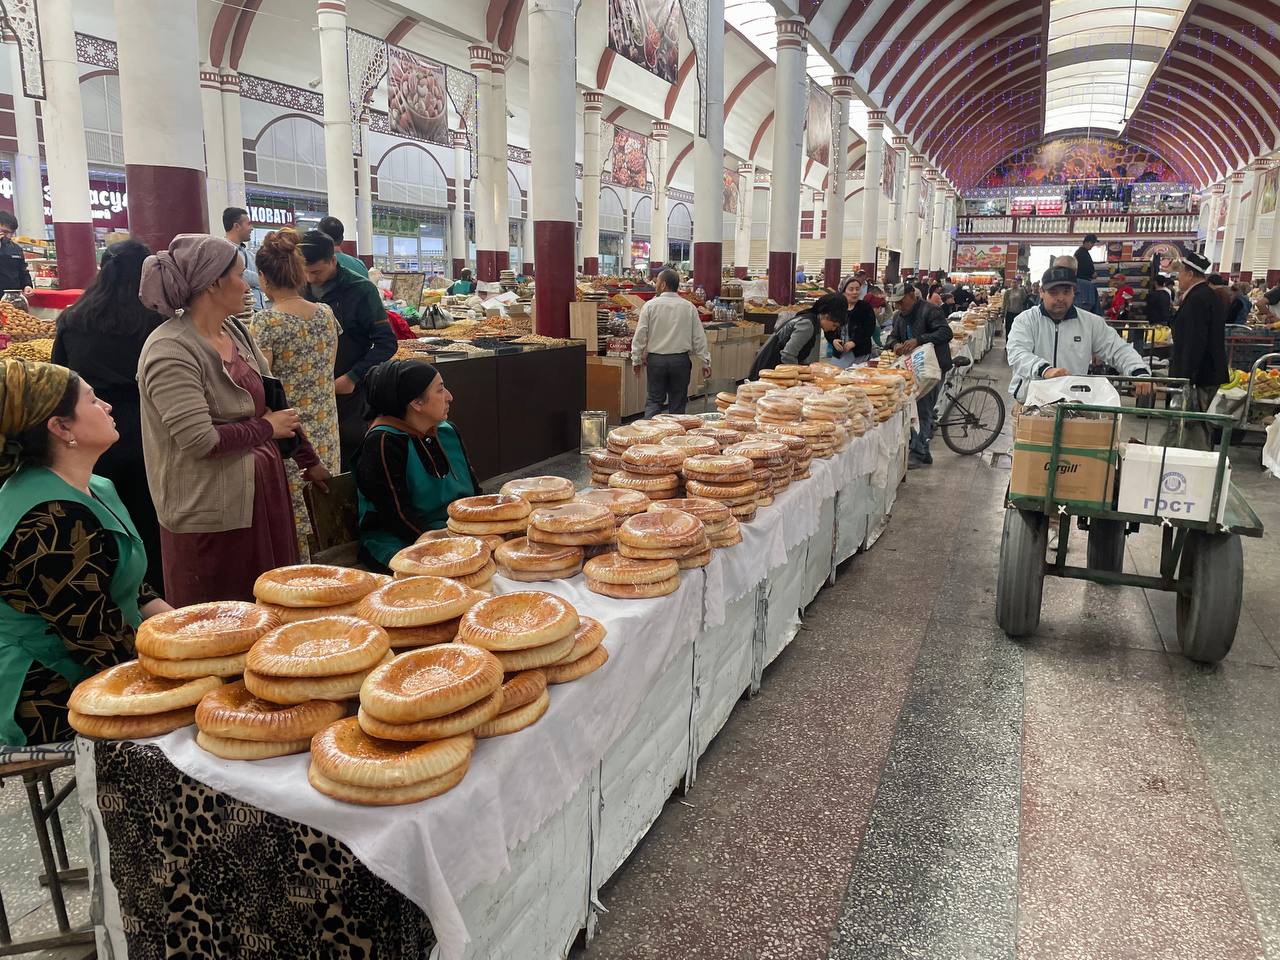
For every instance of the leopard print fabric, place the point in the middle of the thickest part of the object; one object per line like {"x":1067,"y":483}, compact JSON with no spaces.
{"x":200,"y":874}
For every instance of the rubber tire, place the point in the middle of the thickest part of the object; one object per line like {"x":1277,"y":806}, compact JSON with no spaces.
{"x":971,"y":450}
{"x":1106,"y":545}
{"x":1212,"y":568}
{"x":1020,"y":583}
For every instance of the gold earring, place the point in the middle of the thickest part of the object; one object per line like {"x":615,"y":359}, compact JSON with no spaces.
{"x":71,"y":442}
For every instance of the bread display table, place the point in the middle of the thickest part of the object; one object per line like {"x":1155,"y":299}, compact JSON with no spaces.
{"x":245,"y":859}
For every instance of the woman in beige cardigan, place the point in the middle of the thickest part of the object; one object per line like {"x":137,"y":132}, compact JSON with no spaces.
{"x":209,"y":439}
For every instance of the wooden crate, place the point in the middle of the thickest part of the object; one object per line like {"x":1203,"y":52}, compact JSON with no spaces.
{"x":582,"y":325}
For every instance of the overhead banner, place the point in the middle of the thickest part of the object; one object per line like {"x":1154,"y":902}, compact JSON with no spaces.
{"x":889,"y":172}
{"x":980,"y":256}
{"x":1071,"y":159}
{"x":730,"y":191}
{"x":645,"y":32}
{"x":629,"y":159}
{"x":417,"y":95}
{"x":817,"y":138}
{"x":1268,"y":184}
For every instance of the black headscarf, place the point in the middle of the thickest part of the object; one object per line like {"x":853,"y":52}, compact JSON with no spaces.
{"x":391,"y":386}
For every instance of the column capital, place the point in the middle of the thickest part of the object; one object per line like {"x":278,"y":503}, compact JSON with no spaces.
{"x":498,"y":61}
{"x":458,"y":138}
{"x":661,"y":130}
{"x":332,"y":6}
{"x":842,"y":86}
{"x":1261,"y":164}
{"x":916,"y":162}
{"x":1218,"y":188}
{"x":210,"y":79}
{"x":1237,"y":177}
{"x":876,"y":118}
{"x":791,"y":33}
{"x":819,"y":196}
{"x":746,"y":168}
{"x":899,"y":142}
{"x":592,"y":101}
{"x":481,"y":56}
{"x":229,"y":81}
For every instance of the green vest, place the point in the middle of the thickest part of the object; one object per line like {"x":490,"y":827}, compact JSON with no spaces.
{"x":429,"y":496}
{"x":25,"y":638}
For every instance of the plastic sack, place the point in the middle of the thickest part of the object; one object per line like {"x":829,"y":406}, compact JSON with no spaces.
{"x":923,"y":364}
{"x":1095,"y":390}
{"x":1271,"y":449}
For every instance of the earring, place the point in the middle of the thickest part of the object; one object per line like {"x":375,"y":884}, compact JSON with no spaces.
{"x":71,"y":442}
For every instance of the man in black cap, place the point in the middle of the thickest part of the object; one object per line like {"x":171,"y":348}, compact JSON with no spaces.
{"x":1058,"y":339}
{"x":1086,"y":292}
{"x":1199,"y":346}
{"x":919,"y":322}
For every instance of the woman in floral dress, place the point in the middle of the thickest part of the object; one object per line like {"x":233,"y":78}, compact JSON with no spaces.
{"x":300,"y":341}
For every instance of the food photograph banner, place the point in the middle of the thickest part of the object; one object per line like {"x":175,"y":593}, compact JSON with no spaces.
{"x":730,"y":191}
{"x":817,"y":139}
{"x":1268,"y":184}
{"x":980,"y":256}
{"x":646,"y":33}
{"x":629,"y":159}
{"x":417,"y":97}
{"x":1072,"y":159}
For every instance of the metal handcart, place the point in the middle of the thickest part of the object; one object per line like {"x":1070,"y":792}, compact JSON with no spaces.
{"x":1201,"y":561}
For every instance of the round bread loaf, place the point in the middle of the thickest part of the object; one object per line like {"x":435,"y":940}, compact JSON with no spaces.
{"x":417,"y":602}
{"x":723,"y":492}
{"x":436,"y":728}
{"x":233,"y":712}
{"x":490,"y":540}
{"x":126,"y":689}
{"x":431,"y":682}
{"x":653,"y":459}
{"x":313,"y":585}
{"x":523,"y":554}
{"x":480,"y":579}
{"x":218,"y":629}
{"x":406,"y":638}
{"x":512,"y":721}
{"x":229,"y":748}
{"x":634,"y":591}
{"x":540,"y":489}
{"x":517,"y":621}
{"x":692,"y":444}
{"x":490,"y":508}
{"x":591,"y":634}
{"x":659,"y":428}
{"x":448,"y":557}
{"x":664,"y":529}
{"x":617,"y":569}
{"x":686,"y":421}
{"x":723,"y":436}
{"x":343,"y":752}
{"x":653,"y":486}
{"x":707,"y":510}
{"x":575,"y":517}
{"x":519,"y":689}
{"x":604,"y":461}
{"x":540,"y":576}
{"x":291,"y":690}
{"x":567,"y":672}
{"x":515,"y":660}
{"x":231,"y":666}
{"x":696,"y":560}
{"x":621,"y":503}
{"x":131,"y":727}
{"x":586,"y":538}
{"x":718,"y":468}
{"x":480,"y":528}
{"x":319,"y":648}
{"x":779,"y":407}
{"x":386,"y":796}
{"x":285,"y":615}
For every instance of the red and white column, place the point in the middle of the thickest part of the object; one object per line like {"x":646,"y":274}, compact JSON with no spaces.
{"x":837,"y":177}
{"x":457,"y":215}
{"x":628,"y":211}
{"x":592,"y":105}
{"x":788,"y":149}
{"x":497,"y":118}
{"x":948,"y":226}
{"x":742,"y":232}
{"x":911,"y":243}
{"x":340,"y":180}
{"x":526,"y":245}
{"x":1249,"y":217}
{"x":215,"y":148}
{"x":1227,"y":252}
{"x":708,"y":165}
{"x":1217,"y":195}
{"x":871,"y":191}
{"x":163,"y":135}
{"x":658,"y":222}
{"x":28,"y":188}
{"x":364,"y":202}
{"x":552,"y":74}
{"x":233,"y":144}
{"x":898,"y":204}
{"x":936,"y":256}
{"x":1273,"y":256}
{"x":486,"y":168}
{"x":68,"y":163}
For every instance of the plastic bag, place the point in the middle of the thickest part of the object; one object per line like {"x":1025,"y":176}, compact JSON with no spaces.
{"x":1094,"y":390}
{"x":1271,"y":449}
{"x":923,"y":363}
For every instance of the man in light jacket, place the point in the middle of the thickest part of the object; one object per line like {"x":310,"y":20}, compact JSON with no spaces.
{"x":667,"y":338}
{"x":1056,"y":339}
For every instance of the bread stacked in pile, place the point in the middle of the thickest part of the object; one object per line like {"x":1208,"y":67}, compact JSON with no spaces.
{"x":525,"y":560}
{"x":653,"y":547}
{"x":540,"y":491}
{"x":572,"y":524}
{"x":466,"y":559}
{"x":493,"y":515}
{"x":771,"y":466}
{"x":125,"y":702}
{"x":725,"y":478}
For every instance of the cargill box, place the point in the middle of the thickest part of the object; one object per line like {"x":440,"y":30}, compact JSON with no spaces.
{"x":1086,"y":461}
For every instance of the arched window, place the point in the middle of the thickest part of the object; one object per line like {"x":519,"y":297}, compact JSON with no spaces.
{"x":680,"y":223}
{"x":514,"y":211}
{"x":103,"y":127}
{"x":408,"y":174}
{"x":610,"y":211}
{"x":643,"y":223}
{"x":290,"y":153}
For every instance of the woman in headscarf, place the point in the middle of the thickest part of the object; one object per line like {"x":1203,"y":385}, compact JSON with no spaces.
{"x":412,"y":463}
{"x":73,"y":586}
{"x":213,"y":462}
{"x":100,"y":337}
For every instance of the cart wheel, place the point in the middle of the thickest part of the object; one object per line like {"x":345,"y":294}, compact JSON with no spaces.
{"x":1212,"y":573}
{"x":1021,"y":578}
{"x":1106,"y":545}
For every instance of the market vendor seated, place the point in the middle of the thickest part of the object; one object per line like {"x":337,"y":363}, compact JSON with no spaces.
{"x":796,"y":340}
{"x":412,"y":463}
{"x":72,"y":587}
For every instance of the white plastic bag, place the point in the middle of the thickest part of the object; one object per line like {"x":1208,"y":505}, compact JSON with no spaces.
{"x":1094,"y":390}
{"x":923,"y":363}
{"x":1271,"y":449}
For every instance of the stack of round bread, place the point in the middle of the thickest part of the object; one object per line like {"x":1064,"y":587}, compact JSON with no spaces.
{"x":496,"y":514}
{"x":323,"y":659}
{"x":541,"y":491}
{"x":803,"y":391}
{"x":740,"y":416}
{"x":725,"y":400}
{"x":603,"y":464}
{"x":824,"y":444}
{"x":778,"y":408}
{"x":665,"y":535}
{"x":797,"y":448}
{"x":524,"y":693}
{"x":619,"y":438}
{"x":586,"y":656}
{"x":310,"y":590}
{"x":625,"y":578}
{"x":431,"y":694}
{"x":622,"y":503}
{"x":205,"y":640}
{"x":779,"y":378}
{"x":719,"y":523}
{"x":490,"y":540}
{"x":753,"y":390}
{"x":830,"y":406}
{"x":766,"y":456}
{"x":723,"y":436}
{"x":572,"y":524}
{"x":724,"y":478}
{"x":125,"y":702}
{"x":349,"y":765}
{"x":462,"y":558}
{"x":418,"y":611}
{"x":686,"y":421}
{"x":800,"y":371}
{"x":650,"y":468}
{"x":236,"y":725}
{"x":692,"y":443}
{"x":659,"y":428}
{"x":524,"y":560}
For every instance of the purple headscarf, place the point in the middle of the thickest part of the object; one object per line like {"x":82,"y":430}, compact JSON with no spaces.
{"x":191,"y":265}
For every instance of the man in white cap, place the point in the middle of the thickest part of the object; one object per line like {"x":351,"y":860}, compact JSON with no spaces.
{"x":1199,"y":344}
{"x":1057,"y":339}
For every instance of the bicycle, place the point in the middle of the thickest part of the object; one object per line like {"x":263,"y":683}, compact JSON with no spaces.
{"x":969,"y":419}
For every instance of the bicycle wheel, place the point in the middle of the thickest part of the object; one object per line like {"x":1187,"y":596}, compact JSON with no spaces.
{"x":974,"y":421}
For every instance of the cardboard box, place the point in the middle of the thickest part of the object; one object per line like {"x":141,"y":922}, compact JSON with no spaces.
{"x":1086,"y":461}
{"x":1183,"y":490}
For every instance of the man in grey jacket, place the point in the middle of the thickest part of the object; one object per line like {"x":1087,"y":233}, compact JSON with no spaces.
{"x":1055,"y":339}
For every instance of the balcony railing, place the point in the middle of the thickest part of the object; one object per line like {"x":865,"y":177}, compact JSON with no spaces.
{"x":1112,"y":223}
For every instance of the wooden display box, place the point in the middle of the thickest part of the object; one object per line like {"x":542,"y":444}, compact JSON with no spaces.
{"x":583,"y":325}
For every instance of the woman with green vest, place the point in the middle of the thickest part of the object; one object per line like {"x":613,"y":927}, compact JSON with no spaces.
{"x":72,"y":563}
{"x":412,"y":463}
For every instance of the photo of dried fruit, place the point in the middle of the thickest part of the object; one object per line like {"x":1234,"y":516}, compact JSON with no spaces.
{"x":416,"y":96}
{"x":646,"y":32}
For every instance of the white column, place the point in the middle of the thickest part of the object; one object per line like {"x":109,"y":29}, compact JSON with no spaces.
{"x":68,"y":161}
{"x":898,"y":145}
{"x":871,"y":190}
{"x":482,"y":183}
{"x":215,"y":147}
{"x":624,"y":259}
{"x":364,"y":183}
{"x":457,"y":215}
{"x":1249,"y":218}
{"x":788,"y":150}
{"x":911,"y":243}
{"x":340,"y":181}
{"x":592,"y":104}
{"x":28,"y":187}
{"x":658,"y":228}
{"x":498,"y":121}
{"x":232,"y":139}
{"x":708,"y":164}
{"x":939,"y":218}
{"x":837,"y":178}
{"x":552,"y":73}
{"x":948,"y":224}
{"x":527,"y":242}
{"x":742,"y":231}
{"x":1226,"y":256}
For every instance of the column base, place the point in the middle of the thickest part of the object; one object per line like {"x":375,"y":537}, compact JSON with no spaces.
{"x":590,"y":265}
{"x":707,"y":260}
{"x":458,"y":265}
{"x":504,"y":260}
{"x":487,"y":266}
{"x":553,"y":253}
{"x":366,"y":259}
{"x":655,"y":267}
{"x":870,"y":270}
{"x":348,"y":247}
{"x":1233,"y":272}
{"x":782,"y":276}
{"x":1273,"y":278}
{"x":831,"y":272}
{"x":164,"y":202}
{"x":77,"y":264}
{"x":1245,"y":276}
{"x":527,"y":269}
{"x":740,"y":272}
